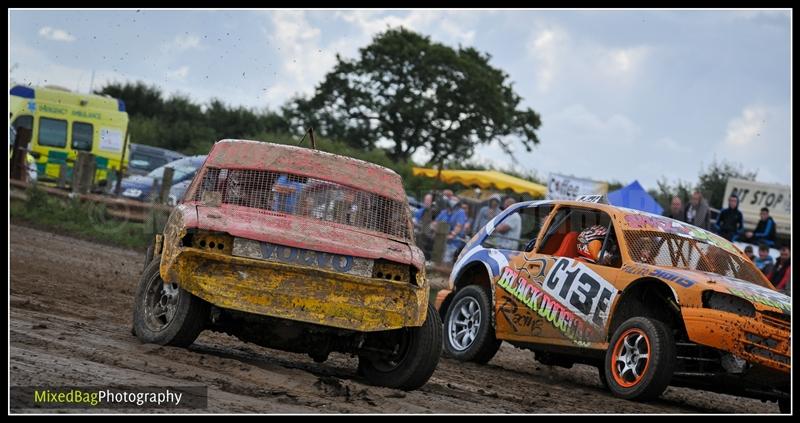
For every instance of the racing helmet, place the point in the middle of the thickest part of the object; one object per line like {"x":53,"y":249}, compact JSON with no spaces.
{"x":590,"y":241}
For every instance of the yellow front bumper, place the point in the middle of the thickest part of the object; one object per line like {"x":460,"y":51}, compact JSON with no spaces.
{"x":749,"y":338}
{"x":296,"y":292}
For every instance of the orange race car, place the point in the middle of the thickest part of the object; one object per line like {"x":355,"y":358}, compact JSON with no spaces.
{"x":649,"y":300}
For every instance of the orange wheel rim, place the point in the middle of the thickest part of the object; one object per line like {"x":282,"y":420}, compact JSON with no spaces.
{"x":630,"y":358}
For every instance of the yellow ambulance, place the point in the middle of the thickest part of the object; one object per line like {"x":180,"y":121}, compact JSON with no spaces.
{"x":62,"y":123}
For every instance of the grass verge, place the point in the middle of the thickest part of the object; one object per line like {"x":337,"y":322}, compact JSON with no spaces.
{"x":86,"y":220}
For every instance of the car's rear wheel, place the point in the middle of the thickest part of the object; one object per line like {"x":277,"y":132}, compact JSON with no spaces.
{"x":640,"y":359}
{"x":418,"y":352}
{"x":469,"y":332}
{"x":166,"y":314}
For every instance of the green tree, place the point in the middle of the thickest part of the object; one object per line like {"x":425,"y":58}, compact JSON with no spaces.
{"x":140,"y":99}
{"x":713,"y":180}
{"x":615,"y":185}
{"x":414,"y":94}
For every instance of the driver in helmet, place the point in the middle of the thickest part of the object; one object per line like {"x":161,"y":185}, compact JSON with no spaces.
{"x":590,"y":242}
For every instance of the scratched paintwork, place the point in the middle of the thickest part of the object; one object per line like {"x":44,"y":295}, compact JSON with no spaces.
{"x":271,"y":252}
{"x":300,"y":293}
{"x":290,"y":290}
{"x":358,"y":174}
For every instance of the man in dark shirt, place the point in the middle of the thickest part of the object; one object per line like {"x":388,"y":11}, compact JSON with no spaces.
{"x":676,"y":210}
{"x":765,"y":230}
{"x":730,"y":221}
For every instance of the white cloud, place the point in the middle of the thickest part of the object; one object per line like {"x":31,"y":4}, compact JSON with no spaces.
{"x":543,"y":45}
{"x":627,"y":59}
{"x":577,"y":141}
{"x":670,"y":144}
{"x":181,"y":43}
{"x":56,"y":34}
{"x":447,"y":26}
{"x":759,"y":138}
{"x":745,"y":129}
{"x":178,"y":74}
{"x":307,"y":54}
{"x":304,"y":60}
{"x":559,"y":57}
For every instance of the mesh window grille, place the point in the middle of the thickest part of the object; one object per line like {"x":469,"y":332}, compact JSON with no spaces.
{"x":664,"y":249}
{"x":307,"y":197}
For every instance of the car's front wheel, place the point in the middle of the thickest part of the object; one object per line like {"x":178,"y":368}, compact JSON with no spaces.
{"x":417,"y":355}
{"x":469,"y":332}
{"x":640,"y":359}
{"x":166,"y":314}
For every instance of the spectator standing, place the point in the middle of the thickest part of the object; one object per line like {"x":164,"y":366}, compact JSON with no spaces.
{"x":468,"y":224}
{"x":781,"y":276}
{"x":487,"y":212}
{"x":286,"y":191}
{"x":697,"y":213}
{"x":506,"y":235}
{"x":455,"y":218}
{"x":765,"y":230}
{"x":730,"y":221}
{"x":676,"y":209}
{"x":427,"y":203}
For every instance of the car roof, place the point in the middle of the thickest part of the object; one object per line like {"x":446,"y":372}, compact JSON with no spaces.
{"x":637,"y":220}
{"x":154,"y":149}
{"x":343,"y":170}
{"x":196,"y":161}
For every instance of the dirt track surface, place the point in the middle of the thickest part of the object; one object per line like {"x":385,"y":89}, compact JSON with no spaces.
{"x":70,"y":324}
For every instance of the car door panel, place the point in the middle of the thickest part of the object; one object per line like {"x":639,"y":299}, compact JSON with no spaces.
{"x":543,"y":298}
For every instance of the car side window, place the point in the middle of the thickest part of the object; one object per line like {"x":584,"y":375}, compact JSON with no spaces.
{"x":583,"y":234}
{"x":533,"y":219}
{"x":518,"y":231}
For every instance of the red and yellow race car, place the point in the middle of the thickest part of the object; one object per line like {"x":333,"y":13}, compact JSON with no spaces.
{"x":650,"y":301}
{"x":298,"y":250}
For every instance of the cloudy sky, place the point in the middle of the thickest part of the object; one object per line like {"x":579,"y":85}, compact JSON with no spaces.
{"x":623,"y":95}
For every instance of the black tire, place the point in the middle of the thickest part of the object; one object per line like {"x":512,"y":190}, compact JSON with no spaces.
{"x":187,"y":319}
{"x":784,"y":405}
{"x":654,"y":373}
{"x":483,"y":345}
{"x":417,"y":361}
{"x":149,"y":256}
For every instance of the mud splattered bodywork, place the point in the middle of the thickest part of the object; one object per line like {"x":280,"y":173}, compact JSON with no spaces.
{"x":297,"y":234}
{"x":732,"y":328}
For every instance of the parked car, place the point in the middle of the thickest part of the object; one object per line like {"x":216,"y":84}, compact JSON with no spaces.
{"x":298,"y":250}
{"x":145,"y":158}
{"x":663,"y":303}
{"x":139,"y":187}
{"x":177,"y":192}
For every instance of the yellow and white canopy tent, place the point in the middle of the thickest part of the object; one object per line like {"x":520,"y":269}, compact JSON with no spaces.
{"x":484,"y":179}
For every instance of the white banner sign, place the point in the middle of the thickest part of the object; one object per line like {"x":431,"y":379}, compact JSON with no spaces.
{"x":561,"y":187}
{"x":755,"y":195}
{"x":111,"y":140}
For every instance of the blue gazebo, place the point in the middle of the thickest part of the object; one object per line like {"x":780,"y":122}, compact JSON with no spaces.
{"x":634,"y":196}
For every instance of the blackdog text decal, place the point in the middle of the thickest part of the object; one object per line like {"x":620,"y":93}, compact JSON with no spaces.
{"x":570,"y":296}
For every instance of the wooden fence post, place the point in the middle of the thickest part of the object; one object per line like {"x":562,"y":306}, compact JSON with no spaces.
{"x":166,"y":184}
{"x":63,"y":169}
{"x":439,"y":242}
